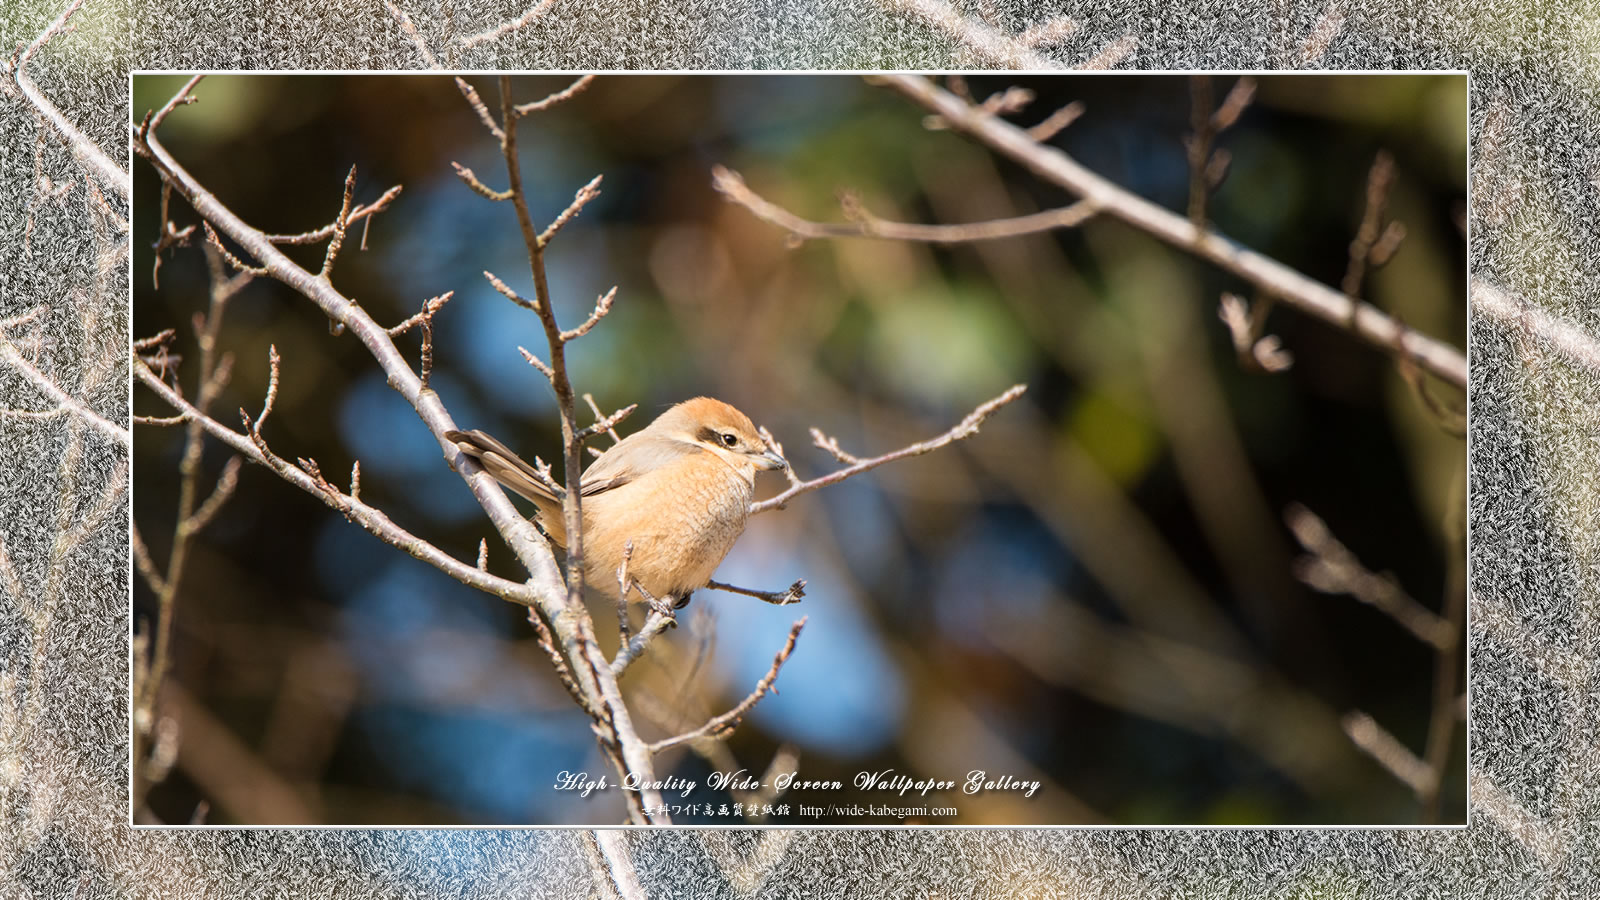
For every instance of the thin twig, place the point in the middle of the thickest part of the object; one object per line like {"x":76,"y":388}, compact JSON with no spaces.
{"x":721,"y":725}
{"x":655,"y":623}
{"x":506,"y":291}
{"x":579,"y":200}
{"x":608,"y":424}
{"x":561,"y":96}
{"x":1364,"y":245}
{"x":991,"y":46}
{"x":373,"y":520}
{"x":1057,"y":122}
{"x":340,"y":226}
{"x":1386,"y":749}
{"x":792,"y":594}
{"x":362,"y":212}
{"x":601,"y":307}
{"x":1255,"y":352}
{"x":1331,"y":568}
{"x":598,"y":415}
{"x":964,"y":429}
{"x":478,"y":106}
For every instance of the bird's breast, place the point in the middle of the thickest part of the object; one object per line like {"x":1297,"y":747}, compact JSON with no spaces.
{"x":682,"y":520}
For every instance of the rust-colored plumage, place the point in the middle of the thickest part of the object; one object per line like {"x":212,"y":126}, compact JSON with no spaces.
{"x":679,"y":490}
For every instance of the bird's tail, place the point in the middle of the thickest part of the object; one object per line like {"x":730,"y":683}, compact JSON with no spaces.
{"x":512,"y":471}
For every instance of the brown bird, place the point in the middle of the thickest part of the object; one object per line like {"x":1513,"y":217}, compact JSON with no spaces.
{"x":679,"y":490}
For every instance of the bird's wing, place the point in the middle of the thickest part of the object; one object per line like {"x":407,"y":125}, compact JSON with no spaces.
{"x":637,"y":455}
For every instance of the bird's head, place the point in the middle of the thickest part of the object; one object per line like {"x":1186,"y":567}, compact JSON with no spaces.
{"x":720,"y":429}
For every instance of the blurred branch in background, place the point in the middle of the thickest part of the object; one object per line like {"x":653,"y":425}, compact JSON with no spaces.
{"x":1330,"y":567}
{"x":192,"y":516}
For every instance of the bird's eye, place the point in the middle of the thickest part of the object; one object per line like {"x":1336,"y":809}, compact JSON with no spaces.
{"x":729,"y":439}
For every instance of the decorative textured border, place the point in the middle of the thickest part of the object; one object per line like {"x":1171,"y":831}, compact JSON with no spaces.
{"x":1535,"y":564}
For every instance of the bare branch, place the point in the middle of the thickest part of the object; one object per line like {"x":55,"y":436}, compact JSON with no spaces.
{"x":732,"y":186}
{"x":238,"y":265}
{"x":1386,"y":749}
{"x":359,"y":213}
{"x":601,"y":307}
{"x":429,"y":307}
{"x":142,"y":560}
{"x":792,"y":594}
{"x":183,"y":97}
{"x":991,"y":46}
{"x":374,"y":521}
{"x":965,"y":429}
{"x":219,"y":495}
{"x":595,"y":408}
{"x":1113,"y":53}
{"x":534,"y":361}
{"x":1049,"y":33}
{"x":478,"y":187}
{"x":831,"y":444}
{"x":561,"y":96}
{"x":1333,"y":569}
{"x":340,"y":225}
{"x":654,"y":624}
{"x":608,"y":424}
{"x":506,"y":291}
{"x":579,"y":201}
{"x":1256,"y":353}
{"x":1322,"y":34}
{"x":477,"y":104}
{"x":1057,"y":122}
{"x":1556,"y":334}
{"x":723,"y":725}
{"x":1362,"y":248}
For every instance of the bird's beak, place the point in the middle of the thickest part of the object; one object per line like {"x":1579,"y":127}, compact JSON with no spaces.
{"x":771,"y":460}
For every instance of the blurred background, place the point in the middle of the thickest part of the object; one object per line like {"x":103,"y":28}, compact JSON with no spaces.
{"x":1096,"y":592}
